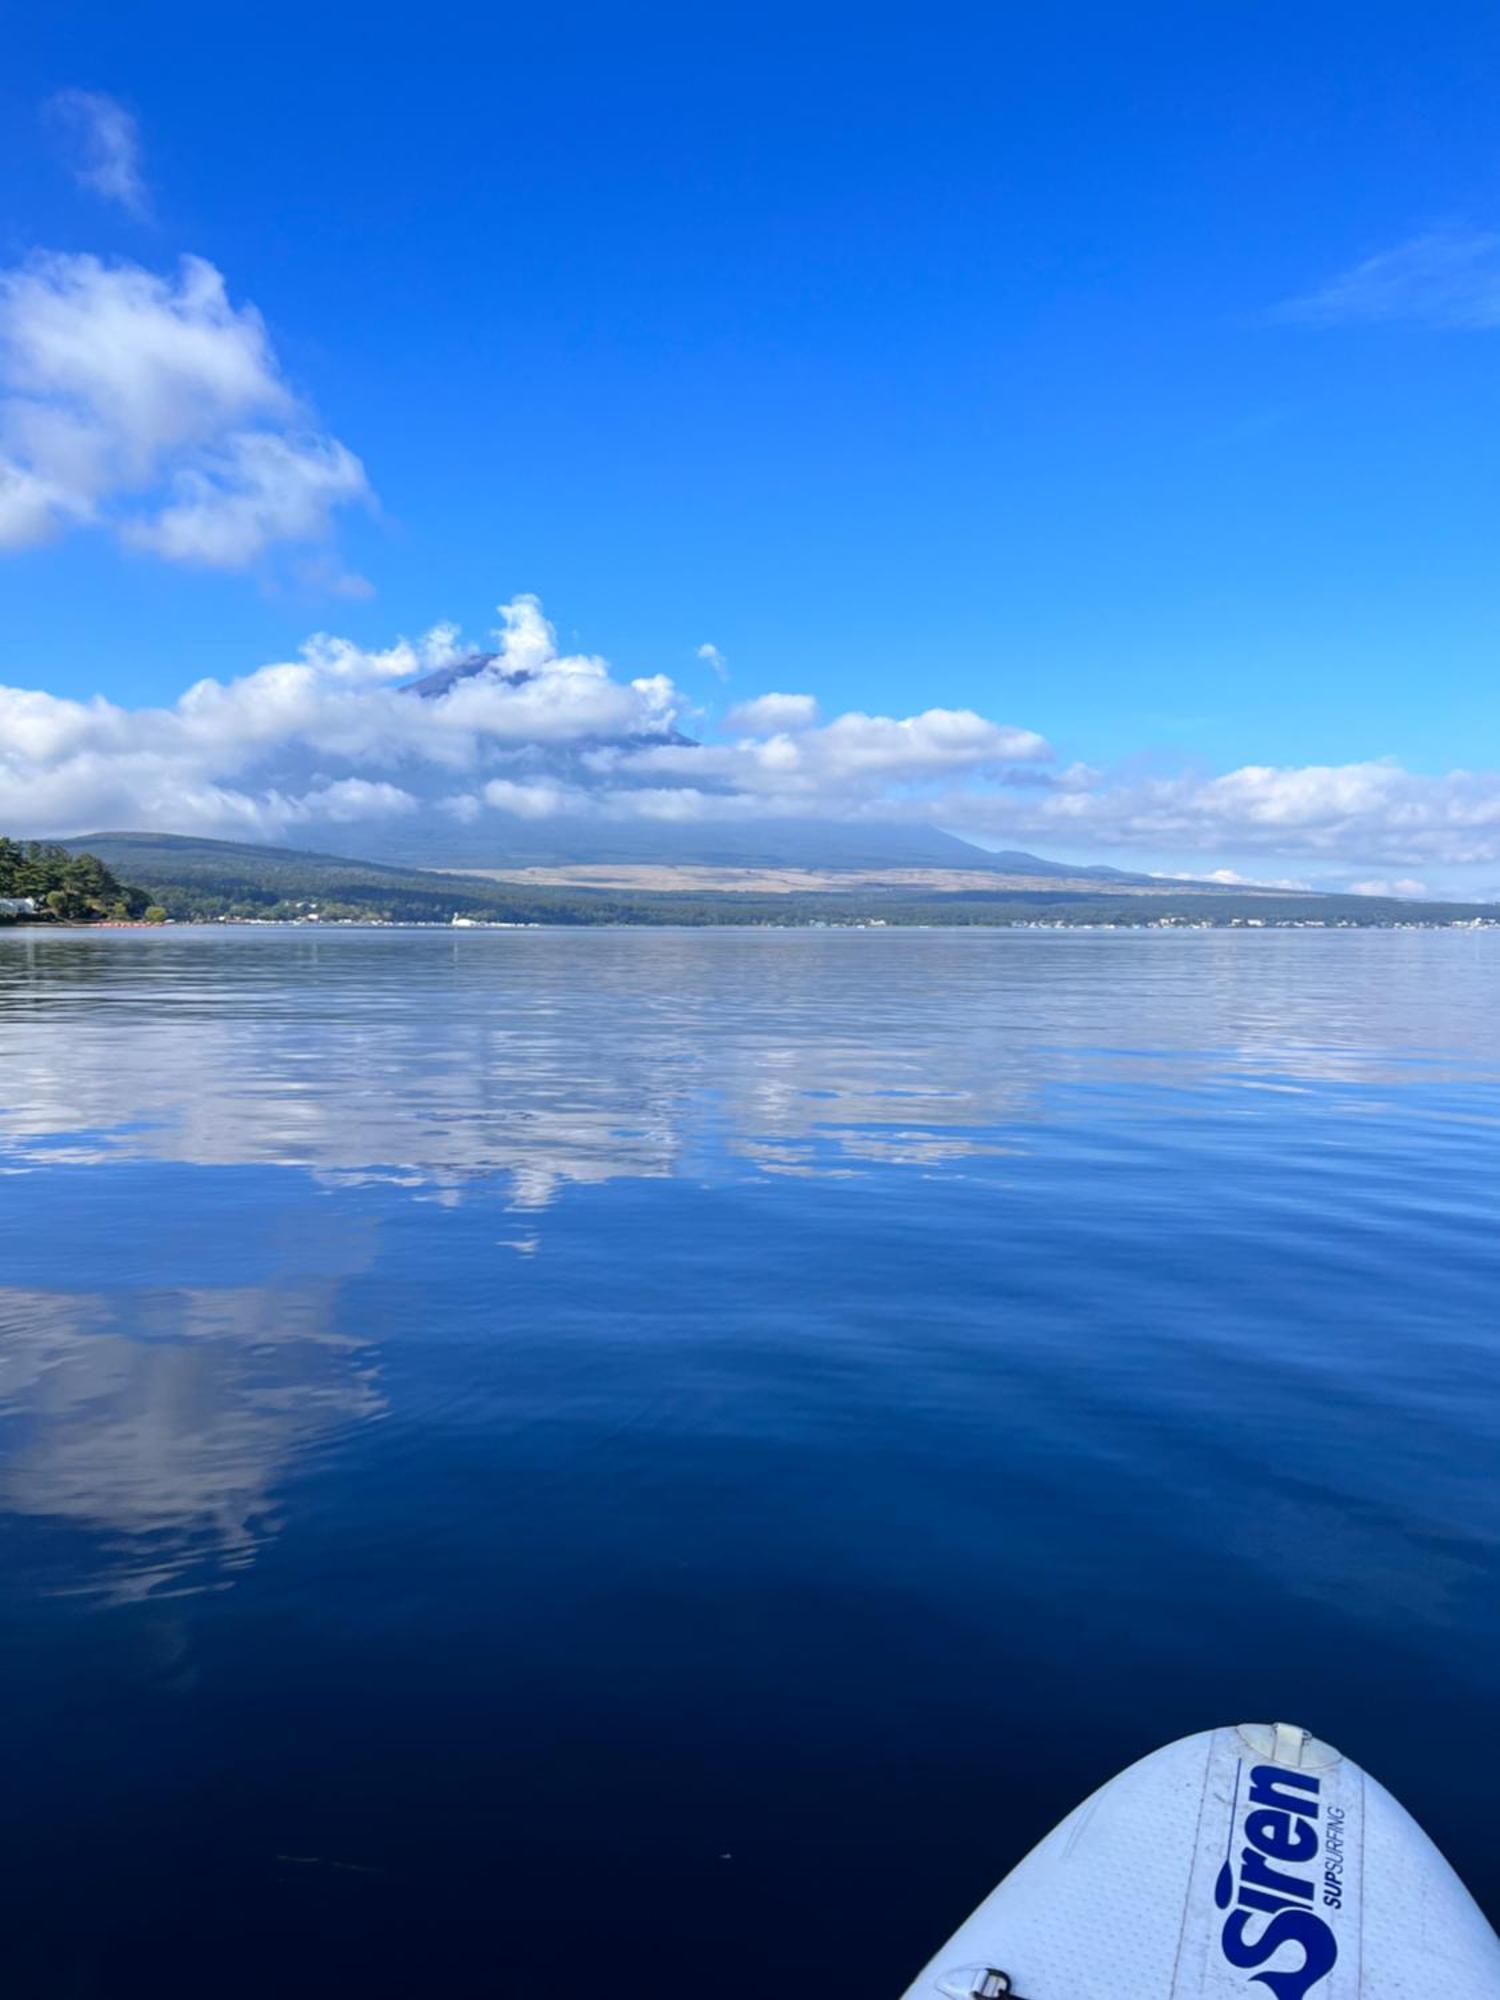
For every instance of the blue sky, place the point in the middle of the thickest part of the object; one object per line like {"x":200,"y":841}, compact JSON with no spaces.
{"x":1123,"y":375}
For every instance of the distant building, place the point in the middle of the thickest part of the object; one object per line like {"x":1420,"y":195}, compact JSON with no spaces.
{"x":12,"y":907}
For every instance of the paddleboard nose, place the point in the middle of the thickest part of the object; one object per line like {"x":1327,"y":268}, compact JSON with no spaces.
{"x":1248,"y":1860}
{"x":1285,"y":1743}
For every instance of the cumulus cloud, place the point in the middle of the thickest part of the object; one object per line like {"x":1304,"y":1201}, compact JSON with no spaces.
{"x":103,"y":146}
{"x":1230,"y":878}
{"x":1346,"y":812}
{"x":536,"y":800}
{"x":1404,"y":885}
{"x":772,"y":715}
{"x":711,"y":656}
{"x":154,"y":407}
{"x":330,"y":735}
{"x":1446,"y":278}
{"x":842,"y":764}
{"x":334,"y":737}
{"x":259,"y":489}
{"x":352,"y":799}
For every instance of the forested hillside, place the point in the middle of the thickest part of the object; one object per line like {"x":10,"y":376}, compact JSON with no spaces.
{"x":74,"y":887}
{"x":208,"y":879}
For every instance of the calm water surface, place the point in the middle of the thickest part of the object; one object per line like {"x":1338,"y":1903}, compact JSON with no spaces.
{"x":642,"y":1462}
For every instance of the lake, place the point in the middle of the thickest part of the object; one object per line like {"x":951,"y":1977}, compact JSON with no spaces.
{"x":653,"y":1462}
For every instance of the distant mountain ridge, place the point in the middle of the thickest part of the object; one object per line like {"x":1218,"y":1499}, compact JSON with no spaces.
{"x":506,"y":840}
{"x":190,"y":877}
{"x":826,"y":846}
{"x":430,"y":686}
{"x":501,"y":840}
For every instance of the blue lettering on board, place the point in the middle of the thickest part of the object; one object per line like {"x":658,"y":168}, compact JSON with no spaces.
{"x":1272,"y":1885}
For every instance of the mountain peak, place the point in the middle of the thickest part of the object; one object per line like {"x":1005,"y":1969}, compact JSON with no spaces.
{"x":429,"y":686}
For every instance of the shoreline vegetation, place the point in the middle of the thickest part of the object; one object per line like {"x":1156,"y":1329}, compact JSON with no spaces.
{"x":48,"y":882}
{"x":151,"y":879}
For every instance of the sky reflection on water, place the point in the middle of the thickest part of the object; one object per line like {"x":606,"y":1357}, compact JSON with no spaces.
{"x":557,"y":1059}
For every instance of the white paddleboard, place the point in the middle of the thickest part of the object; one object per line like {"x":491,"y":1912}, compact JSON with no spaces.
{"x":1230,"y":1866}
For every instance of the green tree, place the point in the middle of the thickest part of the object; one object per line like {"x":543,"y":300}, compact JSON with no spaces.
{"x":70,"y":886}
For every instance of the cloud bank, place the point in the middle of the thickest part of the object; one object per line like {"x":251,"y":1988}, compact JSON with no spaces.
{"x":154,"y":408}
{"x":1342,"y":813}
{"x":334,"y":738}
{"x":332,"y":735}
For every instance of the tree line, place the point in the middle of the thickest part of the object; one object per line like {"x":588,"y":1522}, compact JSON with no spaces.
{"x":73,"y":888}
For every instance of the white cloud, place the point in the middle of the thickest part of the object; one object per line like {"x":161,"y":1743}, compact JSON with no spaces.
{"x":259,"y":490}
{"x":28,"y":506}
{"x":528,"y":801}
{"x":103,"y":146}
{"x":352,"y":799}
{"x":331,"y":736}
{"x":714,"y":658}
{"x":850,"y":762}
{"x":1344,"y":812}
{"x":326,"y":736}
{"x":1230,"y":878}
{"x":155,"y":408}
{"x":1404,"y":885}
{"x":772,"y":715}
{"x":1447,"y":278}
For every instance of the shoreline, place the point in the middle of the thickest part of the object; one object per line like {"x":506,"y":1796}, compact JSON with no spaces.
{"x":1156,"y":924}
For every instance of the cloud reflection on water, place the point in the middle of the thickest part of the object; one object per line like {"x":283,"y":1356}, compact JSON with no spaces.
{"x":162,"y":1420}
{"x":162,"y":1423}
{"x":559,"y":1059}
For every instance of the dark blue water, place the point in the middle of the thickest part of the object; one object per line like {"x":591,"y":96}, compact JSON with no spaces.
{"x":649,"y":1463}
